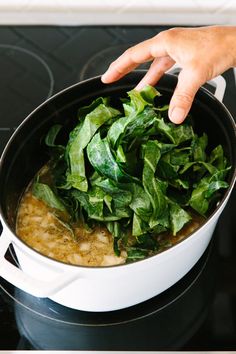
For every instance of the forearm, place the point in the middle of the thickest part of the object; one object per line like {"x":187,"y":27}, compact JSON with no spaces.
{"x":231,"y":40}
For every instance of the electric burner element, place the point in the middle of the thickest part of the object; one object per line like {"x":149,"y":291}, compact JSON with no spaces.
{"x":100,"y":62}
{"x":167,"y":320}
{"x":26,"y":81}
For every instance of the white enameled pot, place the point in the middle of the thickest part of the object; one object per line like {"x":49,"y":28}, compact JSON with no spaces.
{"x":99,"y":288}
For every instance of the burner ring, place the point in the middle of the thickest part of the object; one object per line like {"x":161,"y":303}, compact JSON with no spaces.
{"x":26,"y":81}
{"x":38,"y":58}
{"x":99,"y":62}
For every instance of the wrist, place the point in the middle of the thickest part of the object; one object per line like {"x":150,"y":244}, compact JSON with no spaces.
{"x":231,"y":44}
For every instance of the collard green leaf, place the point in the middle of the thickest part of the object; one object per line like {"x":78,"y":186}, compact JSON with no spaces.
{"x":140,"y":203}
{"x":118,"y":233}
{"x":57,"y":151}
{"x":217,"y":158}
{"x":136,"y":253}
{"x":179,"y":157}
{"x":114,"y":189}
{"x":140,"y":99}
{"x":178,"y":217}
{"x":92,"y":202}
{"x":101,"y":158}
{"x":213,"y":187}
{"x":198,"y":201}
{"x":139,"y":115}
{"x":176,"y":134}
{"x":66,"y":225}
{"x":83,"y":111}
{"x":92,"y":122}
{"x":149,"y":93}
{"x":117,"y":130}
{"x":108,"y":202}
{"x":220,"y":174}
{"x":131,"y":127}
{"x":182,"y":133}
{"x":121,"y":199}
{"x":166,"y":171}
{"x":44,"y":193}
{"x":198,"y":146}
{"x":52,"y":135}
{"x":206,"y":166}
{"x":164,"y":148}
{"x":114,"y":228}
{"x":146,"y":245}
{"x":204,"y":191}
{"x":138,"y":126}
{"x":180,"y":183}
{"x":139,"y":227}
{"x":154,"y":188}
{"x":120,"y":155}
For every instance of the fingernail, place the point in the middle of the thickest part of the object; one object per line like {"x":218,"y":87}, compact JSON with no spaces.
{"x":104,"y":78}
{"x":177,"y":115}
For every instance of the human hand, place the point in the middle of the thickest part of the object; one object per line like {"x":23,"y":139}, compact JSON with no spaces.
{"x":203,"y":53}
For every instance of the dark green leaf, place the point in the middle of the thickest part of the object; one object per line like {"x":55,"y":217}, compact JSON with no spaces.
{"x":166,"y":170}
{"x":200,"y":165}
{"x":217,"y":158}
{"x":198,"y":201}
{"x":140,"y":203}
{"x":83,"y":111}
{"x":154,"y":188}
{"x":93,"y":121}
{"x":204,"y":191}
{"x":179,"y":157}
{"x":198,"y":146}
{"x":101,"y":158}
{"x":92,"y":202}
{"x":135,"y":253}
{"x":139,"y":227}
{"x":139,"y":115}
{"x":178,"y":217}
{"x":44,"y":193}
{"x":52,"y":135}
{"x":213,"y":187}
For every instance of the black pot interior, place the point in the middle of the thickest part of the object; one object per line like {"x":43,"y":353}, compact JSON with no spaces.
{"x":26,"y":153}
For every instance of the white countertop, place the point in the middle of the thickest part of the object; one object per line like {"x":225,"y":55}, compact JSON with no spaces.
{"x":140,"y":12}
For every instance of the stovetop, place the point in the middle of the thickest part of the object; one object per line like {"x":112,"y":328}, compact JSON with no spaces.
{"x":197,"y":313}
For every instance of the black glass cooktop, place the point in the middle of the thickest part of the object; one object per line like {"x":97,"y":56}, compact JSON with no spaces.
{"x":197,"y":313}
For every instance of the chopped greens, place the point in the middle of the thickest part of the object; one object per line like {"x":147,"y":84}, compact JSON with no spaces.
{"x":132,"y":171}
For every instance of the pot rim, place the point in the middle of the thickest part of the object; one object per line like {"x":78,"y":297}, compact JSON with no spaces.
{"x":160,"y":255}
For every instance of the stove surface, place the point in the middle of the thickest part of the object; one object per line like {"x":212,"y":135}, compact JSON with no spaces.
{"x":197,"y":313}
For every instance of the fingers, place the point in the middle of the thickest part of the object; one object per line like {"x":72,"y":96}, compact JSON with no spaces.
{"x":158,"y":67}
{"x":189,"y":81}
{"x":133,"y":57}
{"x":158,"y":49}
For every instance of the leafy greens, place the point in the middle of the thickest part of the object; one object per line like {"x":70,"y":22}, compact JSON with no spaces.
{"x":133,"y":171}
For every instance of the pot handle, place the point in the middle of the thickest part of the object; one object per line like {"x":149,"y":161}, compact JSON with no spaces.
{"x":25,"y":282}
{"x":218,"y":83}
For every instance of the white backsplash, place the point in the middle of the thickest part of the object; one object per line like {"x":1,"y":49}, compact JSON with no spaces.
{"x":139,"y":12}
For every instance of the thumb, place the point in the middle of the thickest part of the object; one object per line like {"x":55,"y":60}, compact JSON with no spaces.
{"x":189,"y":81}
